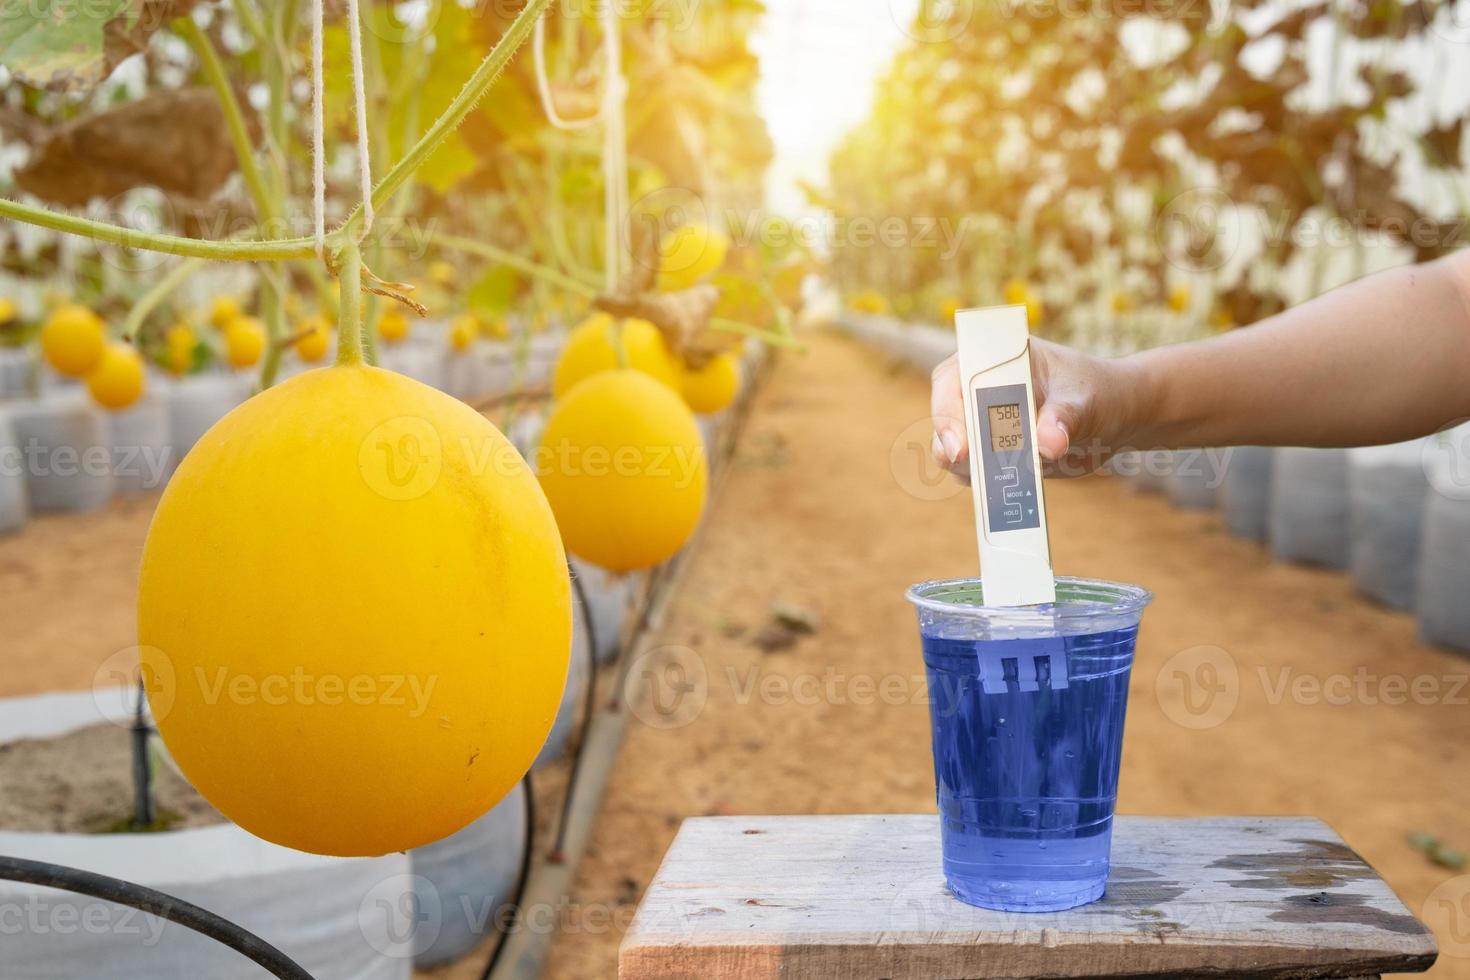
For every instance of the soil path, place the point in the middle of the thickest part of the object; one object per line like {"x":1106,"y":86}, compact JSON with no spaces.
{"x":820,"y":509}
{"x":825,"y":506}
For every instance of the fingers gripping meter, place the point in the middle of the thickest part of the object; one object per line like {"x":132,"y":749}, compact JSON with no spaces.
{"x":1005,"y":463}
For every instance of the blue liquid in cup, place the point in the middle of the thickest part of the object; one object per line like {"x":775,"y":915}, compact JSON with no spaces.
{"x":1027,"y":738}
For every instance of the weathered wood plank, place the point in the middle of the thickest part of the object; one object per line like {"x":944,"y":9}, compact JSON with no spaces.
{"x":863,"y":896}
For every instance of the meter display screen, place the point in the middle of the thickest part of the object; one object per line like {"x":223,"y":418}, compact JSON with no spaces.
{"x":1012,"y":498}
{"x":1006,"y":431}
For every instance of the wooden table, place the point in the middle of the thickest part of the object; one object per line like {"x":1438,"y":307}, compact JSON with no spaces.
{"x":863,"y":897}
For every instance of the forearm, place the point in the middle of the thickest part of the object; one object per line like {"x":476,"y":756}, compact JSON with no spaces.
{"x":1383,"y":359}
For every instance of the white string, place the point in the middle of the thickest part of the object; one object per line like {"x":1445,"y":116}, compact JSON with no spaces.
{"x":614,"y":148}
{"x":318,"y":166}
{"x":359,"y":94}
{"x":614,"y":133}
{"x":318,"y":127}
{"x":543,"y":84}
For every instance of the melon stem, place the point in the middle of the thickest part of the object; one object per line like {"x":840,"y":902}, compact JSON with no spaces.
{"x":349,"y":307}
{"x":615,"y":337}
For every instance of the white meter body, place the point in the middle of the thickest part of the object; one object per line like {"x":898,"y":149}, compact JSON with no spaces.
{"x":1005,"y":462}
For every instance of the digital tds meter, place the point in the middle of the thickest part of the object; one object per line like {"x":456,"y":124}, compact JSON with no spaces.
{"x":1005,"y":464}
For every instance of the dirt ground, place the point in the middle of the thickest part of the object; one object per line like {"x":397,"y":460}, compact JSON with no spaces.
{"x":81,"y":783}
{"x":825,"y":506}
{"x":815,"y":511}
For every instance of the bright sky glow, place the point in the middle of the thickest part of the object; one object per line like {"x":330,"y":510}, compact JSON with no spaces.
{"x":820,"y":61}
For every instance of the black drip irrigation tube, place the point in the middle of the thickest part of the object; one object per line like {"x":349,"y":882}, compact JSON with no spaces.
{"x":589,"y":705}
{"x":145,"y":899}
{"x":257,"y":950}
{"x":656,"y":579}
{"x":522,"y":878}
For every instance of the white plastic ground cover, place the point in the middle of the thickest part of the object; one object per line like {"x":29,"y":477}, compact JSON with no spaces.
{"x":339,"y":918}
{"x":1146,"y":471}
{"x":196,"y":403}
{"x":753,"y":356}
{"x":462,"y":884}
{"x":1442,"y":603}
{"x":486,"y":370}
{"x":886,"y":332}
{"x":931,"y":346}
{"x":1309,"y":507}
{"x":415,"y":360}
{"x":869,"y":327}
{"x":142,"y":457}
{"x":14,"y":507}
{"x":921,"y":345}
{"x":1195,"y":476}
{"x":15,"y":368}
{"x":573,"y":698}
{"x":709,"y":435}
{"x":1245,"y":496}
{"x":1387,"y":491}
{"x":524,"y":432}
{"x":502,"y":372}
{"x":609,"y":597}
{"x":542,"y":352}
{"x":64,"y":450}
{"x":467,"y":374}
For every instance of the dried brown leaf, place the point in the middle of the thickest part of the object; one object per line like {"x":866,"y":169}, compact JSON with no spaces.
{"x":173,"y":139}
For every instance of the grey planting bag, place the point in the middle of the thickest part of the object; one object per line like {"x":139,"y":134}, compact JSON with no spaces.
{"x":1443,"y":599}
{"x":1309,"y":507}
{"x":65,"y":453}
{"x":1245,"y":496}
{"x":1387,"y":490}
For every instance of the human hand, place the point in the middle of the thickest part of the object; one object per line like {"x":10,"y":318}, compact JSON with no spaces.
{"x":1083,"y":403}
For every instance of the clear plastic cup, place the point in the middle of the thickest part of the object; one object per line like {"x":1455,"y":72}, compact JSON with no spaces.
{"x":1027,"y":707}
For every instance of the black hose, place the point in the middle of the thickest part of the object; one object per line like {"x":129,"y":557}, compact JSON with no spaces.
{"x":656,"y":577}
{"x":587,"y":621}
{"x":589,"y":699}
{"x":519,"y":894}
{"x":153,"y":902}
{"x":142,"y":765}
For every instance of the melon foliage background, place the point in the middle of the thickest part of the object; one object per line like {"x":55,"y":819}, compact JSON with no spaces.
{"x":118,"y":112}
{"x":354,"y":613}
{"x":1129,"y":161}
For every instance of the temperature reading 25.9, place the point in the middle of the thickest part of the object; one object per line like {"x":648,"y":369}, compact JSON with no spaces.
{"x":1006,"y":433}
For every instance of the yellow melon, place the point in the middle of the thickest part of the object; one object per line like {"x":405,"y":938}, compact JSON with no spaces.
{"x":589,"y":350}
{"x":713,"y":387}
{"x":244,"y":341}
{"x":354,"y":614}
{"x":73,"y":339}
{"x":623,"y":465}
{"x":117,"y":380}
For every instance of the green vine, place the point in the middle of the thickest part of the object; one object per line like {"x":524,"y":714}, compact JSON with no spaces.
{"x":342,"y":253}
{"x":485,"y":250}
{"x":160,"y":291}
{"x":301,"y":248}
{"x":349,"y":314}
{"x":278,"y":250}
{"x":474,"y":89}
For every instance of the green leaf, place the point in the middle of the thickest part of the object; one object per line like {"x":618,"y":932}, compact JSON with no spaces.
{"x":452,"y":162}
{"x":491,"y":295}
{"x":70,"y":47}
